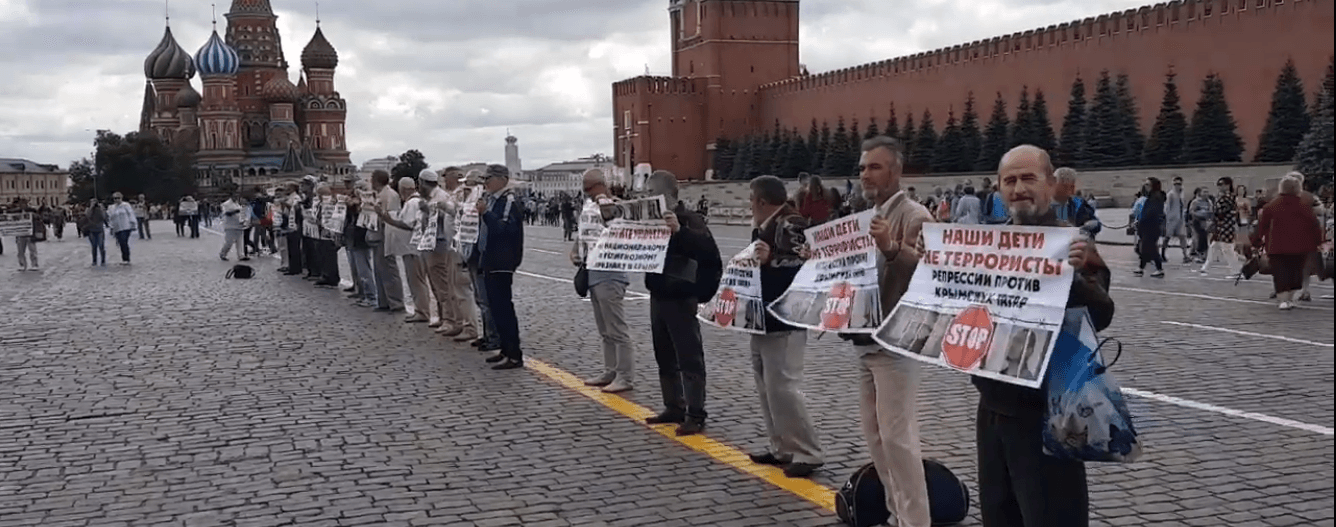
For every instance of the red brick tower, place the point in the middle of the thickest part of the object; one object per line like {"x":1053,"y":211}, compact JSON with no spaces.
{"x":252,"y":30}
{"x":323,"y":112}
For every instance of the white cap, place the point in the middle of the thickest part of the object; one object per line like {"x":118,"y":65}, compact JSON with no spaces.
{"x":430,"y":175}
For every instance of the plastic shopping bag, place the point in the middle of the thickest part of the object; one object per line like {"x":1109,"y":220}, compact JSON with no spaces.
{"x":1087,"y":417}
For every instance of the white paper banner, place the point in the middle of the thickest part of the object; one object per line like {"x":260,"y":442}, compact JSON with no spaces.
{"x":636,"y":241}
{"x":366,"y":212}
{"x":985,"y":299}
{"x":426,"y":240}
{"x":836,"y":290}
{"x":16,"y":224}
{"x":466,"y":225}
{"x":738,"y":305}
{"x":188,"y":208}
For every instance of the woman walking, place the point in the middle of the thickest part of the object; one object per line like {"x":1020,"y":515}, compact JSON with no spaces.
{"x":94,"y":222}
{"x":1150,"y":226}
{"x":1288,"y":231}
{"x":121,"y":217}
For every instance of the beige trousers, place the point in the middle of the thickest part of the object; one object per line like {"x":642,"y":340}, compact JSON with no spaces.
{"x":453,"y":290}
{"x":888,"y":401}
{"x":415,"y":267}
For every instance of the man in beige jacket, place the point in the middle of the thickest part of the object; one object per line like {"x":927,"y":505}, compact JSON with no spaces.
{"x":888,"y":383}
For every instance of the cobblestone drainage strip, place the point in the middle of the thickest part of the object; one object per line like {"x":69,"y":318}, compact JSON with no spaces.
{"x":803,"y":488}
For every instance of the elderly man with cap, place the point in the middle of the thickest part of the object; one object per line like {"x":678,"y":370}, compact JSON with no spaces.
{"x":389,"y":289}
{"x":461,"y":308}
{"x":400,"y":225}
{"x":501,"y":249}
{"x":436,"y":204}
{"x":487,"y":340}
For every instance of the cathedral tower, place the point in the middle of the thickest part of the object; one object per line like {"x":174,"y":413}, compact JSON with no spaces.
{"x":323,"y":111}
{"x":220,"y":116}
{"x":252,"y":31}
{"x":169,"y":69}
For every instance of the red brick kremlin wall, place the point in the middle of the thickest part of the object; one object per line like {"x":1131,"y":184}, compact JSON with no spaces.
{"x":1245,"y":41}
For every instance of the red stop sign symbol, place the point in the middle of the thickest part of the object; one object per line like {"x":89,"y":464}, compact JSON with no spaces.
{"x":726,"y":307}
{"x":967,"y":338}
{"x":835,"y":314}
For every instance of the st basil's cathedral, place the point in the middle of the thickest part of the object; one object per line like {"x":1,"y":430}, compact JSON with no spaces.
{"x":251,"y":125}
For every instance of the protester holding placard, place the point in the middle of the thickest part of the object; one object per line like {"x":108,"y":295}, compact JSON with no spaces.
{"x":328,"y":227}
{"x":29,"y":223}
{"x":691,"y":274}
{"x":397,"y":243}
{"x":888,"y":383}
{"x":307,"y":220}
{"x":501,"y":250}
{"x":389,"y":288}
{"x":777,"y":353}
{"x":233,"y":229}
{"x":1018,"y":484}
{"x":359,"y":251}
{"x":488,"y":339}
{"x":607,"y":290}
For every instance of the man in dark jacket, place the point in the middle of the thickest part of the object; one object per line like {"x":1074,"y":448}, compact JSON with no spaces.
{"x":777,"y":356}
{"x":693,"y":262}
{"x":500,"y":250}
{"x":1020,"y":486}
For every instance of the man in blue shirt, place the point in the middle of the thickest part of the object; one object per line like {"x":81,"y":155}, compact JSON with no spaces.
{"x":501,"y":249}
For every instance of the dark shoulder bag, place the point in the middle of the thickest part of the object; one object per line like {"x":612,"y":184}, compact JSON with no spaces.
{"x":582,"y":282}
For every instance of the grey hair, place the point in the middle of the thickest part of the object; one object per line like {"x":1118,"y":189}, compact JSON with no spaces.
{"x":1290,"y":184}
{"x":1297,"y":175}
{"x":407,"y":183}
{"x":595,"y":176}
{"x":1065,"y":174}
{"x":663,"y":182}
{"x":889,"y":143}
{"x":322,"y":186}
{"x":1043,"y":157}
{"x":770,"y":190}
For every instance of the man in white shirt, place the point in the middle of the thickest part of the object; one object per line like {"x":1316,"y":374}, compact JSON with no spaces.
{"x":233,"y":228}
{"x":399,"y":231}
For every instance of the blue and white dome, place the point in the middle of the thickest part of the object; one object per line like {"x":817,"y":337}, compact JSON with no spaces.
{"x":217,"y":58}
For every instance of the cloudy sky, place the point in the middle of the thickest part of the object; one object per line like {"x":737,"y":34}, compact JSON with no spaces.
{"x":447,"y":77}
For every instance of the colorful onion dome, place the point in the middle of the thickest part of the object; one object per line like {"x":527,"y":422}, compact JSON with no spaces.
{"x":217,"y":58}
{"x":251,"y":6}
{"x":169,"y":60}
{"x":279,"y":89}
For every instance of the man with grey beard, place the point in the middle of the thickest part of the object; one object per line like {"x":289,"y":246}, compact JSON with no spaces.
{"x":1020,"y":486}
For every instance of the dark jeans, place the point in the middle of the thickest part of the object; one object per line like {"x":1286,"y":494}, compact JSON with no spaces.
{"x":680,"y":353}
{"x":502,"y":305}
{"x":123,"y":241}
{"x":328,"y":259}
{"x":180,"y":226}
{"x":1149,"y":251}
{"x":144,"y":230}
{"x":1020,"y":486}
{"x":248,"y":243}
{"x":311,"y":256}
{"x":98,"y":242}
{"x":1199,"y":239}
{"x":488,"y":333}
{"x":295,"y":256}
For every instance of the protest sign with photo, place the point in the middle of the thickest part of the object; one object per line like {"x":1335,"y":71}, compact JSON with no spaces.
{"x":836,"y":290}
{"x":986,"y":300}
{"x":426,"y":237}
{"x":636,"y":241}
{"x":16,"y":224}
{"x":466,"y":225}
{"x":589,"y":226}
{"x":188,"y":208}
{"x":366,"y":213}
{"x":738,"y":305}
{"x":310,"y":227}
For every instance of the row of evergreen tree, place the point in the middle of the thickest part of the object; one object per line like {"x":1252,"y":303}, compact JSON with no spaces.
{"x":1103,"y":133}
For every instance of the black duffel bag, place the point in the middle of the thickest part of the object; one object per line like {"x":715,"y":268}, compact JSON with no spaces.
{"x":862,"y":500}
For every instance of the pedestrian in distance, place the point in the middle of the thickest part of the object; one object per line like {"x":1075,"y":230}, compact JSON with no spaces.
{"x":121,"y":217}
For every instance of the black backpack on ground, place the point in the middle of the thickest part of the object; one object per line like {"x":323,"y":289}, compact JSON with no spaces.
{"x":862,"y":500}
{"x":241,"y":271}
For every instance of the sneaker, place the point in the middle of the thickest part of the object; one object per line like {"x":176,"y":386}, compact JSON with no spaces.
{"x":365,"y":303}
{"x":602,"y":380}
{"x":1157,"y":274}
{"x":1286,"y":306}
{"x":434,"y":324}
{"x":1138,"y":272}
{"x":464,"y":336}
{"x":415,"y":319}
{"x":618,"y":386}
{"x":1303,"y":297}
{"x":223,"y":258}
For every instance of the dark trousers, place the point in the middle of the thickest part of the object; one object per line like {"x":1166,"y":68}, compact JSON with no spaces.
{"x":180,"y":226}
{"x":680,"y":353}
{"x":295,"y":256}
{"x":194,"y":226}
{"x":144,"y":230}
{"x":123,"y":241}
{"x":311,"y":256}
{"x":1020,"y":486}
{"x":328,"y":256}
{"x":248,"y":243}
{"x":502,"y":304}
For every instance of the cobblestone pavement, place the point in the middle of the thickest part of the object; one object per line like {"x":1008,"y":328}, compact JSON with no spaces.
{"x":161,"y":394}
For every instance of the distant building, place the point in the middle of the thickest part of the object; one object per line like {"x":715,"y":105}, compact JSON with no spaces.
{"x":513,"y":155}
{"x":380,"y":163}
{"x":40,"y":184}
{"x":566,"y":177}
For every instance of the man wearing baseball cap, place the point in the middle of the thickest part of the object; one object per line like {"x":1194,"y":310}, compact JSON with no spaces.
{"x":501,"y":249}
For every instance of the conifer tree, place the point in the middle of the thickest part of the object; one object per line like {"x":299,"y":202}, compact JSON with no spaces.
{"x":1134,"y":140}
{"x":907,"y":135}
{"x":819,"y":150}
{"x":838,"y":151}
{"x":1043,"y":126}
{"x":995,"y":139}
{"x":800,"y":156}
{"x":872,"y":131}
{"x":1315,"y":152}
{"x":892,"y":125}
{"x":925,"y":144}
{"x":762,"y":156}
{"x":1213,"y":134}
{"x":1287,"y":123}
{"x":724,"y":153}
{"x":1105,"y":144}
{"x":970,"y":136}
{"x":851,"y":153}
{"x":1165,"y":146}
{"x":950,"y":148}
{"x":783,"y":147}
{"x":741,"y":158}
{"x":1022,"y":128}
{"x":1071,"y":146}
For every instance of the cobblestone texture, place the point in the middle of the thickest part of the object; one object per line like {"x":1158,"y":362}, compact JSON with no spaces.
{"x":161,"y":394}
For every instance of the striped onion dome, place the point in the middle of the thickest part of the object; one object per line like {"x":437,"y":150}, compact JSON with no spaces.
{"x":217,"y":58}
{"x":169,"y":60}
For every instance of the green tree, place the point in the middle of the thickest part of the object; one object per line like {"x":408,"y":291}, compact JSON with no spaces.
{"x":948,"y":156}
{"x":724,"y":154}
{"x":1042,"y":124}
{"x":872,"y":131}
{"x":822,"y":148}
{"x":742,"y":159}
{"x":892,"y":125}
{"x":760,"y":157}
{"x":1105,"y":145}
{"x":855,"y":146}
{"x":1288,"y":121}
{"x":1315,"y":152}
{"x":1022,"y":128}
{"x":995,"y":138}
{"x":81,"y":176}
{"x":799,"y":155}
{"x":971,"y":137}
{"x":1130,"y":118}
{"x":411,"y":163}
{"x":925,"y":144}
{"x":1165,"y":146}
{"x":1072,"y":145}
{"x":837,"y":154}
{"x":907,"y":138}
{"x":1213,"y":134}
{"x":141,"y":164}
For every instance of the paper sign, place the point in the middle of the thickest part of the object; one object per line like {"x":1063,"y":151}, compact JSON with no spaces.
{"x":466,"y":225}
{"x":738,"y":305}
{"x":835,"y":290}
{"x":636,"y":241}
{"x":16,"y":224}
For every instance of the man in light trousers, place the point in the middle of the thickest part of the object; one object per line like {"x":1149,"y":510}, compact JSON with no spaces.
{"x":389,"y":289}
{"x":462,"y":308}
{"x":777,"y":355}
{"x":397,"y":235}
{"x":888,"y":383}
{"x":607,"y":291}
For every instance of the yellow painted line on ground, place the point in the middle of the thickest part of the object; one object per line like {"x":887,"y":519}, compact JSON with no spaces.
{"x":803,"y":488}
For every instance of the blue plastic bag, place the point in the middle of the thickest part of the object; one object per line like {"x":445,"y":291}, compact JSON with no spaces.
{"x":1087,"y":417}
